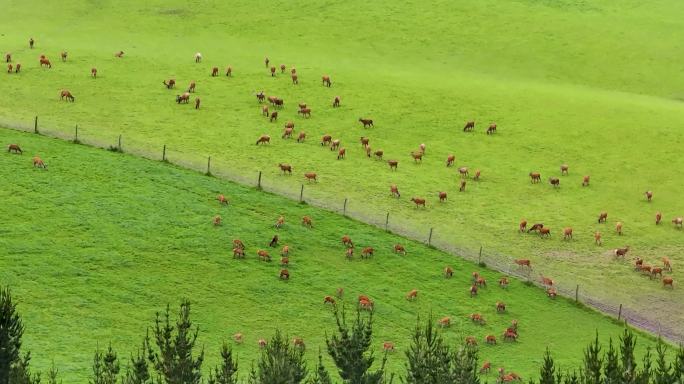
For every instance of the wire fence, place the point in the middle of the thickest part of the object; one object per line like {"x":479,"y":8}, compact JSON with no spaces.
{"x":484,"y":257}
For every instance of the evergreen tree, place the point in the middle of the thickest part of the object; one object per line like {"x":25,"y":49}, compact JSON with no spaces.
{"x":591,"y":372}
{"x":663,"y":371}
{"x":53,"y":374}
{"x":571,"y":378}
{"x":547,"y":373}
{"x":349,"y":349}
{"x":464,"y":367}
{"x":137,"y":371}
{"x":226,"y":373}
{"x":627,"y":360}
{"x":428,"y":359}
{"x":611,"y":369}
{"x":11,"y":331}
{"x":645,"y":374}
{"x":321,"y":375}
{"x":20,"y":372}
{"x":173,"y":358}
{"x":279,"y":363}
{"x":105,"y":367}
{"x":678,"y":369}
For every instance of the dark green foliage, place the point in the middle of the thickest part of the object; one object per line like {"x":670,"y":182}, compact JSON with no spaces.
{"x":430,"y":360}
{"x":11,"y":331}
{"x":137,"y":371}
{"x":226,"y":373}
{"x":349,"y":349}
{"x":591,"y":370}
{"x":464,"y":369}
{"x":678,"y":371}
{"x":279,"y":363}
{"x":663,"y":371}
{"x":173,"y":358}
{"x":611,"y":369}
{"x":105,"y":367}
{"x":628,"y":364}
{"x":547,"y":373}
{"x":428,"y":357}
{"x":20,"y":372}
{"x":571,"y":378}
{"x":321,"y":375}
{"x":52,"y":375}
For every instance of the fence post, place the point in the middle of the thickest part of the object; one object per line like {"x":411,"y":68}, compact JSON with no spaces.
{"x":76,"y":135}
{"x":164,"y":153}
{"x":259,"y":181}
{"x":430,"y":238}
{"x":301,"y":194}
{"x":386,"y":221}
{"x":577,"y":293}
{"x":208,"y":166}
{"x":479,"y":258}
{"x":344,"y":209}
{"x":35,"y":125}
{"x":620,"y":312}
{"x":120,"y":144}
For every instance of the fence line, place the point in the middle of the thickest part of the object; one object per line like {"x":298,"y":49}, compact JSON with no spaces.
{"x":495,"y":262}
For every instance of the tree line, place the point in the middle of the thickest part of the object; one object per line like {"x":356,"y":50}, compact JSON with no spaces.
{"x":169,"y":354}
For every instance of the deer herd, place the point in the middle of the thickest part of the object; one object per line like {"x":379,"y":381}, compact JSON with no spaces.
{"x":364,"y":302}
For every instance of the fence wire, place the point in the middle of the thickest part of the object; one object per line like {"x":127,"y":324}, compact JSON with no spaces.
{"x":493,"y":260}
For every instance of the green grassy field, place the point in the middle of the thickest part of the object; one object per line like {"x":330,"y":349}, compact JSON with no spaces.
{"x":99,"y":242}
{"x":594,"y":84}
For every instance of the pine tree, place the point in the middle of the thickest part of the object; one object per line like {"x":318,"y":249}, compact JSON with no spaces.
{"x":349,"y":349}
{"x":627,"y":361}
{"x":645,"y":374}
{"x":11,"y":331}
{"x":591,"y":372}
{"x":571,"y":378}
{"x":547,"y":373}
{"x":20,"y":372}
{"x":137,"y":371}
{"x":464,"y":365}
{"x":52,"y":374}
{"x":279,"y":363}
{"x":611,"y":369}
{"x":428,"y":359}
{"x":173,"y":358}
{"x":663,"y":371}
{"x":226,"y":373}
{"x":321,"y":375}
{"x":105,"y":367}
{"x":678,"y":369}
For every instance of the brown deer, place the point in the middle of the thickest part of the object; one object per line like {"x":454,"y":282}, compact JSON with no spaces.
{"x":263,"y":139}
{"x":585,"y":181}
{"x":535,"y":177}
{"x":564,"y":169}
{"x":418,"y":201}
{"x":326,"y":80}
{"x":366,"y":122}
{"x":469,"y":126}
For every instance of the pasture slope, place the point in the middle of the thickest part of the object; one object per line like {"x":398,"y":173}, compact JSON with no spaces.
{"x":96,"y":244}
{"x":595,"y":84}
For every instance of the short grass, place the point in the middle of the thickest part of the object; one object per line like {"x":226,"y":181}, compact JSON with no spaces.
{"x":594,"y":84}
{"x":96,"y":244}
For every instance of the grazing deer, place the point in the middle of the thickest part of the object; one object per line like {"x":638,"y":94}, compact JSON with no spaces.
{"x":597,"y":238}
{"x":554,"y":181}
{"x":603,"y":216}
{"x":336,"y":102}
{"x":448,"y":272}
{"x":522,"y":226}
{"x":492,"y":129}
{"x":469,"y":126}
{"x":658,"y":217}
{"x":585,"y":181}
{"x":394,"y":191}
{"x":263,"y":139}
{"x":567,"y":233}
{"x":393,"y":164}
{"x":564,"y":169}
{"x":418,"y":201}
{"x":450,"y":160}
{"x":535,"y":177}
{"x":621,"y":252}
